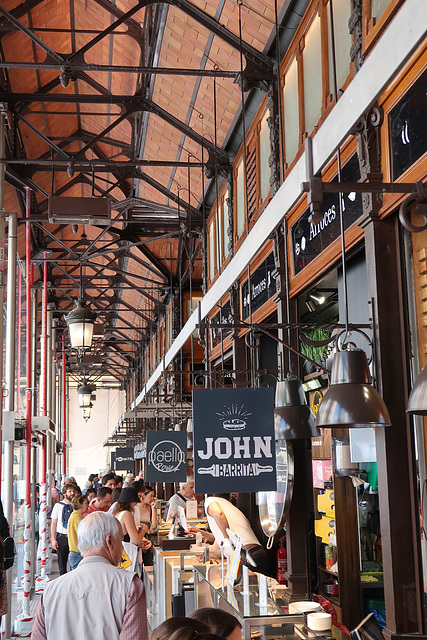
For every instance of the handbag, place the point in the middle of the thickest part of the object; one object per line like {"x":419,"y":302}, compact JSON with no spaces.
{"x":9,"y":552}
{"x":129,"y":555}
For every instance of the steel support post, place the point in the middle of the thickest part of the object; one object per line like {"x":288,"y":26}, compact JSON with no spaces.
{"x":7,"y":496}
{"x":27,"y":532}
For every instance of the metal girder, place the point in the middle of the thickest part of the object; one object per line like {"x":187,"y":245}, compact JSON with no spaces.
{"x":217,"y":157}
{"x":73,"y":67}
{"x":104,"y":166}
{"x":133,"y":239}
{"x":166,"y":192}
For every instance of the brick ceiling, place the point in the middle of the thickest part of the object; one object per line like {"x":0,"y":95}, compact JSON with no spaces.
{"x":58,"y":146}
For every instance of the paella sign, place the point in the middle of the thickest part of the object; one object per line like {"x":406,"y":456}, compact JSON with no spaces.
{"x":166,"y":456}
{"x":234,"y":444}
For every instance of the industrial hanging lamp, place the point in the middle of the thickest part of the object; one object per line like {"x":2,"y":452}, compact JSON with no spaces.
{"x":417,"y":403}
{"x":293,"y":418}
{"x":85,"y":394}
{"x":351,"y":401}
{"x":80,"y":322}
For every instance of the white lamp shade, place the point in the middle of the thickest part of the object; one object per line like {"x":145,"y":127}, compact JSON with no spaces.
{"x":81,"y":334}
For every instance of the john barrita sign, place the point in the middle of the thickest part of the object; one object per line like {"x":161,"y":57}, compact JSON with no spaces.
{"x":234,"y":443}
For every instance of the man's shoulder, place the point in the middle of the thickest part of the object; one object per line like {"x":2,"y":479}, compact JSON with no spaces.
{"x":57,"y":508}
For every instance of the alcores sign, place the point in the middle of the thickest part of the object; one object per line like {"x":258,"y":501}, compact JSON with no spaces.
{"x":166,"y":459}
{"x":234,"y":444}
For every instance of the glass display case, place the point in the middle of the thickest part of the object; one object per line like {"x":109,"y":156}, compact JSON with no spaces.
{"x":269,"y":620}
{"x":161,"y":580}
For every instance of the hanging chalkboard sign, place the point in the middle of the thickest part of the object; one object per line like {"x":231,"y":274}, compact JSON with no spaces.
{"x":234,"y":444}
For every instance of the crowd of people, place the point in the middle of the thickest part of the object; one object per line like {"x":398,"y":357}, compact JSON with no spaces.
{"x":129,"y":500}
{"x":90,"y":530}
{"x":118,"y":604}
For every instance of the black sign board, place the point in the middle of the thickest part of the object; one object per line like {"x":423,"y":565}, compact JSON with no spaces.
{"x":234,"y":445}
{"x":263,"y":286}
{"x":113,"y":460}
{"x":124,"y":459}
{"x":309,"y":239}
{"x":166,"y":456}
{"x":222,"y":317}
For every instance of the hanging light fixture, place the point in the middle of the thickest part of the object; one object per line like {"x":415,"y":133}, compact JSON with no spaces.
{"x":417,"y":403}
{"x":293,"y":418}
{"x":85,"y":394}
{"x":80,"y":322}
{"x":351,"y":401}
{"x":87,"y":411}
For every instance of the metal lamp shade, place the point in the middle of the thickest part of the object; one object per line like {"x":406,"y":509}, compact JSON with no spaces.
{"x":293,"y":418}
{"x":417,"y":403}
{"x":80,"y":322}
{"x":351,"y":401}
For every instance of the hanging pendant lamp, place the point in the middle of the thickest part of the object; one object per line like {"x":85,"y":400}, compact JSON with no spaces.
{"x":293,"y":418}
{"x":351,"y":401}
{"x":80,"y":322}
{"x":85,"y":394}
{"x":417,"y":402}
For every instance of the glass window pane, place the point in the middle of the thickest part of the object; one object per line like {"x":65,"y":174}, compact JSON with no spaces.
{"x":378,"y":7}
{"x":264,"y":157}
{"x":240,"y":200}
{"x":211,"y":245}
{"x":226,"y":224}
{"x":408,"y":128}
{"x":342,"y":11}
{"x":312,"y":70}
{"x":220,"y":232}
{"x":291,"y":115}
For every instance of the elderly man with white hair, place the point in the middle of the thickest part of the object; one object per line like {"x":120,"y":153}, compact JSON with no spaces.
{"x":97,"y":600}
{"x":179,"y":499}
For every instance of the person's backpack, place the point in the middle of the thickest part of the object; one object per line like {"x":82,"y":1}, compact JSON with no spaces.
{"x":67,"y":510}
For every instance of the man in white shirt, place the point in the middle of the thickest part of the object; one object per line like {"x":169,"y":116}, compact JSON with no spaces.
{"x":58,"y":527}
{"x":179,"y":499}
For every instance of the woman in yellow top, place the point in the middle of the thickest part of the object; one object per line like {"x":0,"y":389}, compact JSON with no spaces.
{"x":80,"y":506}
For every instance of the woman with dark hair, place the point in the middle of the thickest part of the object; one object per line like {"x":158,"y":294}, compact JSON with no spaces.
{"x":181,"y":628}
{"x":147,"y":509}
{"x":220,"y":622}
{"x":123,"y":510}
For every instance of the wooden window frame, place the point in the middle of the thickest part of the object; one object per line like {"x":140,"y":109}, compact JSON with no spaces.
{"x":372,"y":29}
{"x":407,"y":77}
{"x":295,"y":50}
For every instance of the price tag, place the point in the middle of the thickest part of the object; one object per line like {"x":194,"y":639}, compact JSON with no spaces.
{"x":191,"y":509}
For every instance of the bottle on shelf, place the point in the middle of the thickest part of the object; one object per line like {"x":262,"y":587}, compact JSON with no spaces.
{"x":329,"y":557}
{"x":282,"y":561}
{"x":379,"y":552}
